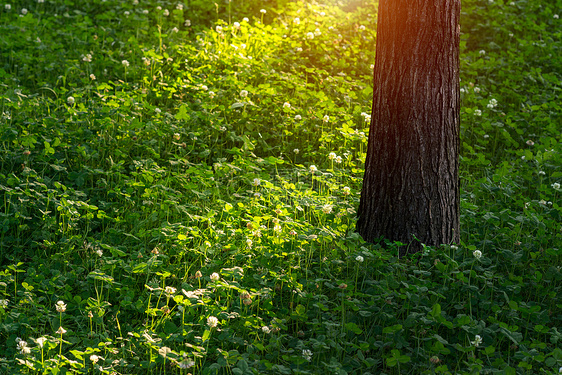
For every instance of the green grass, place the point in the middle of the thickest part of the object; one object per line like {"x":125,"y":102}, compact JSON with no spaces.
{"x":153,"y":179}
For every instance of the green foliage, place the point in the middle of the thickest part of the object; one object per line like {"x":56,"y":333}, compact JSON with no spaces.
{"x":185,"y":181}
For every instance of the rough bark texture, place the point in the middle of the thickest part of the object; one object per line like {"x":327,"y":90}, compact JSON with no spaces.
{"x":411,"y":184}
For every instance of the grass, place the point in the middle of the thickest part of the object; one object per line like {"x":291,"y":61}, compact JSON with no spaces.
{"x":178,"y":186}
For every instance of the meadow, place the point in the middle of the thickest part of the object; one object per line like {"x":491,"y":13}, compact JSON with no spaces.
{"x":179,"y":184}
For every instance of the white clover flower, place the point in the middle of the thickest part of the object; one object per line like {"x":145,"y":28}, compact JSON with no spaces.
{"x":265,"y":329}
{"x":175,"y":30}
{"x":157,"y":110}
{"x":477,"y":112}
{"x":70,"y":100}
{"x":24,"y":11}
{"x":41,"y":341}
{"x":166,"y":12}
{"x":317,"y":32}
{"x":204,"y":88}
{"x":127,"y":13}
{"x":94,"y":358}
{"x":346,"y":190}
{"x":249,"y":243}
{"x":313,"y":168}
{"x":185,"y":364}
{"x":4,"y":303}
{"x":298,"y":49}
{"x":296,"y":151}
{"x":362,"y":28}
{"x":7,"y":7}
{"x":556,"y":17}
{"x":326,"y":118}
{"x":530,"y":142}
{"x":158,"y":7}
{"x":307,"y":354}
{"x":177,"y":136}
{"x":218,"y":29}
{"x":287,"y":105}
{"x":263,"y":11}
{"x":125,"y":63}
{"x":359,"y":258}
{"x":482,"y":52}
{"x":338,"y":159}
{"x":215,"y":276}
{"x":297,"y":21}
{"x":211,"y":94}
{"x":92,"y":77}
{"x":212,"y":321}
{"x":298,"y":117}
{"x":277,"y":228}
{"x":256,"y":182}
{"x":477,"y":254}
{"x":236,"y":25}
{"x":556,"y":186}
{"x":477,"y":89}
{"x":60,"y":306}
{"x":179,"y":7}
{"x":492,"y":103}
{"x":99,"y":252}
{"x":477,"y":340}
{"x":61,"y":331}
{"x":22,"y":347}
{"x":170,"y":290}
{"x":187,"y":23}
{"x":327,"y":208}
{"x":245,"y":19}
{"x":309,"y":35}
{"x":332,"y":155}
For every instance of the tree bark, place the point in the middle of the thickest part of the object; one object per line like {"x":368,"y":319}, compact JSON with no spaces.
{"x":411,"y":185}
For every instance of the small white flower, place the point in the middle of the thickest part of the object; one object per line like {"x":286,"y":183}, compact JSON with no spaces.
{"x":297,"y":21}
{"x":125,"y":63}
{"x":310,"y":35}
{"x":249,"y":243}
{"x":215,"y":276}
{"x":477,"y":112}
{"x":482,"y":52}
{"x":332,"y":155}
{"x":317,"y":32}
{"x":492,"y":103}
{"x":556,"y":186}
{"x":556,"y":17}
{"x":346,"y":190}
{"x":24,"y":11}
{"x":70,"y":100}
{"x":263,"y":11}
{"x":286,"y":105}
{"x":60,"y":306}
{"x":60,"y":331}
{"x":218,"y":29}
{"x":265,"y":329}
{"x":23,"y":348}
{"x":94,"y":358}
{"x":359,"y":258}
{"x":298,"y":117}
{"x":477,"y":89}
{"x":313,"y":168}
{"x":211,"y":94}
{"x":177,"y":136}
{"x":326,"y":118}
{"x":362,"y":28}
{"x":212,"y":321}
{"x":99,"y":252}
{"x":236,"y":25}
{"x":179,"y":7}
{"x":477,"y":254}
{"x":4,"y":303}
{"x":298,"y":49}
{"x":327,"y":208}
{"x":296,"y":151}
{"x":256,"y":182}
{"x":7,"y":7}
{"x":127,"y":13}
{"x":175,"y":30}
{"x":170,"y":290}
{"x":187,"y":23}
{"x":92,"y":77}
{"x":157,"y":110}
{"x":338,"y":159}
{"x":477,"y":340}
{"x":307,"y":354}
{"x":166,"y":12}
{"x":186,"y":364}
{"x":41,"y":341}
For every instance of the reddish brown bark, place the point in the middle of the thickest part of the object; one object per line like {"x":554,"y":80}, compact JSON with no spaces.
{"x":411,"y":185}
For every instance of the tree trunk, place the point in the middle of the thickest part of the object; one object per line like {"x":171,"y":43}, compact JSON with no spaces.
{"x":411,"y":186}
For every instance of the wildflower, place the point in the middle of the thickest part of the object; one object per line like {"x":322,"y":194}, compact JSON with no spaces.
{"x":211,"y":94}
{"x":263,"y":11}
{"x":215,"y":276}
{"x":24,"y":11}
{"x":99,"y":252}
{"x":61,"y":306}
{"x":307,"y":354}
{"x":359,"y":258}
{"x":326,"y":118}
{"x":327,"y":208}
{"x":265,"y":329}
{"x":70,"y":100}
{"x":530,"y":143}
{"x":556,"y":186}
{"x":477,"y":340}
{"x":60,"y":331}
{"x":245,"y":19}
{"x":482,"y":52}
{"x":236,"y":25}
{"x":186,"y":364}
{"x":346,"y":190}
{"x":126,"y":13}
{"x":477,"y":254}
{"x":296,"y":150}
{"x":312,"y":168}
{"x":277,"y":228}
{"x":22,"y":347}
{"x":41,"y":341}
{"x":492,"y":103}
{"x":4,"y":303}
{"x":298,"y":117}
{"x":218,"y":29}
{"x":338,"y":159}
{"x":125,"y":63}
{"x":310,"y":35}
{"x":187,"y":23}
{"x":257,"y":195}
{"x":477,"y":112}
{"x":317,"y":32}
{"x":87,"y":58}
{"x":362,"y":28}
{"x":198,"y":274}
{"x":249,"y":243}
{"x":7,"y":7}
{"x":179,"y":7}
{"x":556,"y":17}
{"x":212,"y":321}
{"x":243,"y":93}
{"x":299,"y":49}
{"x":286,"y":105}
{"x":175,"y":30}
{"x":477,"y":89}
{"x":92,"y":77}
{"x":342,"y":286}
{"x":256,"y":182}
{"x":297,"y":21}
{"x":166,"y":12}
{"x":94,"y":358}
{"x":177,"y":136}
{"x":332,"y":155}
{"x":435,"y":360}
{"x":170,"y":290}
